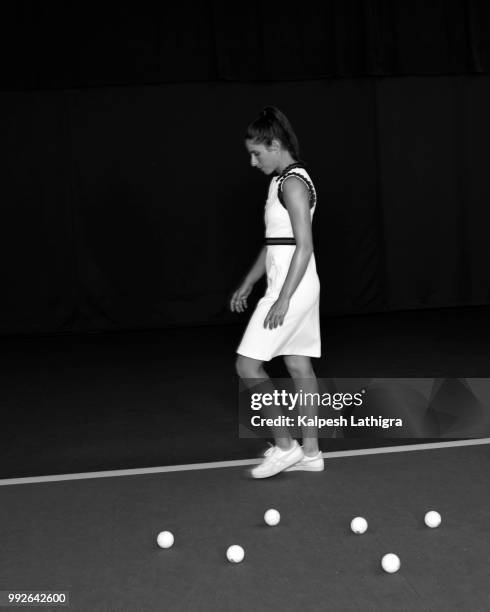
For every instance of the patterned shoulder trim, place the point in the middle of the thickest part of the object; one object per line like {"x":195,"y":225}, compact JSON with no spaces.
{"x":307,"y":182}
{"x":298,"y":164}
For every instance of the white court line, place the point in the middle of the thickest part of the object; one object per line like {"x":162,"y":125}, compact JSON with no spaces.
{"x":235,"y":463}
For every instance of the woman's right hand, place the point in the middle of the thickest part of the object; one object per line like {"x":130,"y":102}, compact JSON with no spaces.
{"x":238,"y":301}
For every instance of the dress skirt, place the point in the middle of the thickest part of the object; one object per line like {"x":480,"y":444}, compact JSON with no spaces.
{"x":300,"y":332}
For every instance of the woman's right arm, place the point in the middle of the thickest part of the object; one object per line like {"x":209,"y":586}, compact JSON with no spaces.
{"x":238,"y":301}
{"x":258,"y":269}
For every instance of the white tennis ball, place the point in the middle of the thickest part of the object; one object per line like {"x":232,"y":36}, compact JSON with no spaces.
{"x":359,"y":524}
{"x":165,"y":539}
{"x":272,"y":517}
{"x":235,"y":554}
{"x":390,"y":563}
{"x":432,"y":519}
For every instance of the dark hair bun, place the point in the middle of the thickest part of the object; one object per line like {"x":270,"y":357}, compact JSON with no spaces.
{"x":272,"y":123}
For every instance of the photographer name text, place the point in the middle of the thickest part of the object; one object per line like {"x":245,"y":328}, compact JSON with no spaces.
{"x":341,"y":421}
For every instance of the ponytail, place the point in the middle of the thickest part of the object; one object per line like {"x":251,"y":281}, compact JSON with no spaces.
{"x":272,"y":123}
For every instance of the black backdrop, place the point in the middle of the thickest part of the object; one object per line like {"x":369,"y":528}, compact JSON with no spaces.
{"x":127,"y":196}
{"x":59,"y":44}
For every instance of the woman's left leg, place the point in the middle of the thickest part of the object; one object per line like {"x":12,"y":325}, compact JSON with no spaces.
{"x":301,"y":370}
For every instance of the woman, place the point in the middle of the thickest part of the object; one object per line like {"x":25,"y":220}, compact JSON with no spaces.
{"x":286,"y":319}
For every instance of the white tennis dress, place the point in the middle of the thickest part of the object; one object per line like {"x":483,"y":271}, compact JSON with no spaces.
{"x":300,"y":332}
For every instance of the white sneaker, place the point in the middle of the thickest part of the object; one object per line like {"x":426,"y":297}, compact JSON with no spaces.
{"x":277,"y":460}
{"x":308,"y":464}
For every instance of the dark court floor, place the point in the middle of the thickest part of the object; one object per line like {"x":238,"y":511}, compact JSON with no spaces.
{"x":95,"y":537}
{"x":120,"y":400}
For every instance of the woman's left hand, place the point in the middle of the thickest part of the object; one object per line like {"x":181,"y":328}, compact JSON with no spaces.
{"x":276,"y":314}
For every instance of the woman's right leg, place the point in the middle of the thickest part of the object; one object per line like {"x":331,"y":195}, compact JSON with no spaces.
{"x":301,"y":371}
{"x":252,"y":373}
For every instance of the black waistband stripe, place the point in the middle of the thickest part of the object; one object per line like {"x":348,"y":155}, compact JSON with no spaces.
{"x":280,"y":241}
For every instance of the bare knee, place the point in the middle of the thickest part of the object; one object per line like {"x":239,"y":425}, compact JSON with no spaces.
{"x":246,"y":367}
{"x":299,"y":366}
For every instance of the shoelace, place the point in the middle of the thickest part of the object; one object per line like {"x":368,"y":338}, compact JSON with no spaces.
{"x":269,"y":455}
{"x":270,"y":450}
{"x":273,"y":448}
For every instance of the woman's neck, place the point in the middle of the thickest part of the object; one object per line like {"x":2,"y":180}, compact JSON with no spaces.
{"x":284,"y":163}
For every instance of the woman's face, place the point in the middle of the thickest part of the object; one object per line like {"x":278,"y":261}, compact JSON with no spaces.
{"x":261,"y":156}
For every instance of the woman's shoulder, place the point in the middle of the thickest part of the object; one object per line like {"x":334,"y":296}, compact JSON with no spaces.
{"x":297,"y":169}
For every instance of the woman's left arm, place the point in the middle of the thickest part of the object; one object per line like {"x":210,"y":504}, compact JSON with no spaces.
{"x":296,"y":197}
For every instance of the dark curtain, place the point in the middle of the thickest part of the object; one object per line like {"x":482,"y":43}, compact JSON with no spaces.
{"x":60,"y":45}
{"x":127,"y":196}
{"x":137,"y":207}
